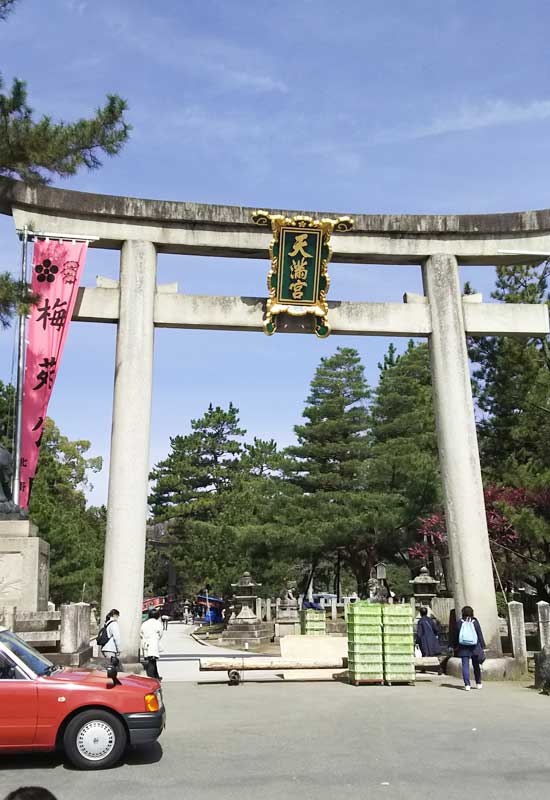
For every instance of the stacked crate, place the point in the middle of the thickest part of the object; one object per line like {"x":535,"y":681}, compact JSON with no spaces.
{"x":313,"y":622}
{"x":365,"y":651}
{"x":398,"y":640}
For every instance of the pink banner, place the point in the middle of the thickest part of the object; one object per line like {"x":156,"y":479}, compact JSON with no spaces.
{"x":57,"y":267}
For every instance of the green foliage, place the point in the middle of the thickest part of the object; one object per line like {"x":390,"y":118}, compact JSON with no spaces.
{"x":7,"y":415}
{"x":200,"y":467}
{"x":329,"y":512}
{"x":15,"y":298}
{"x":31,"y":149}
{"x":333,"y":441}
{"x":512,"y":384}
{"x":193,"y":487}
{"x":399,"y":476}
{"x":403,"y":463}
{"x":5,"y":7}
{"x":58,"y":506}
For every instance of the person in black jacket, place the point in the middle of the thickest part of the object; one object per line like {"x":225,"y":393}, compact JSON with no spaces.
{"x":427,"y":635}
{"x":467,"y":629}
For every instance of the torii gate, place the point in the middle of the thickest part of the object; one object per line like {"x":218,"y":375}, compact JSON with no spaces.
{"x":142,"y":228}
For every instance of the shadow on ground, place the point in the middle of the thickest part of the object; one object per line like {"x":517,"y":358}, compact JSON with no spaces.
{"x":134,"y":756}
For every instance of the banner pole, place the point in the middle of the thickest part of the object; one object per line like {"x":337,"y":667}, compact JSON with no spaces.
{"x":20,"y":374}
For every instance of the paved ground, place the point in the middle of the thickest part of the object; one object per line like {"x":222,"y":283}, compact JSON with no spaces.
{"x":320,"y":741}
{"x":180,"y":657}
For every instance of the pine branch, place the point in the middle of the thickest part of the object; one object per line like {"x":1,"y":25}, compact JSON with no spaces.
{"x":30,"y":150}
{"x":5,"y":7}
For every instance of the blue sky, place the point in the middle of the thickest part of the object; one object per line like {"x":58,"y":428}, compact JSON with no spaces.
{"x":415,"y":106}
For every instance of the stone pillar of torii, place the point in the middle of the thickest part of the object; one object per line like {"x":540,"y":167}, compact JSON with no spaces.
{"x":136,"y":304}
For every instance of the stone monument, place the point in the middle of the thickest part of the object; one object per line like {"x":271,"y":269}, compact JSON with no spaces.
{"x":24,"y":557}
{"x":287,"y":620}
{"x":24,"y":566}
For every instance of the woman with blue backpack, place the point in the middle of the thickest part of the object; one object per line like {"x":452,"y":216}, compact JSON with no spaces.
{"x":469,"y":645}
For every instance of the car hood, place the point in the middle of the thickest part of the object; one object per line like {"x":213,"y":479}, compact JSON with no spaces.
{"x":98,"y":678}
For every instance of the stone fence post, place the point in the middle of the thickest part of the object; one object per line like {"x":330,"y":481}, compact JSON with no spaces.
{"x":259,"y":608}
{"x":8,"y":617}
{"x":516,"y":629}
{"x":346,"y":607}
{"x":543,"y":619}
{"x":333,"y":609}
{"x":268,"y":609}
{"x":75,"y":627}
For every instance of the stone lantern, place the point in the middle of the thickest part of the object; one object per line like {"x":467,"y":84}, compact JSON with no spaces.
{"x":244,"y":593}
{"x":245,"y":630}
{"x":424,"y":588}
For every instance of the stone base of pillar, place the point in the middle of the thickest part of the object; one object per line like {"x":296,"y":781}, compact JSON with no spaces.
{"x":287,"y":627}
{"x":246,"y":629}
{"x":24,"y":566}
{"x":492,"y":669}
{"x":79,"y":659}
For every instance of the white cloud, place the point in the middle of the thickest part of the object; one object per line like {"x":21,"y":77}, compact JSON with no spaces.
{"x":226,"y":64}
{"x":80,"y":6}
{"x":469,"y":118}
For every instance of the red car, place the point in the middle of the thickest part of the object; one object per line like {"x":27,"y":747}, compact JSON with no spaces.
{"x":90,"y":715}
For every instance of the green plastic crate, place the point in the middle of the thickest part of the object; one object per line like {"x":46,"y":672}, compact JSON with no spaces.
{"x":393,"y":659}
{"x":361,"y":666}
{"x":399,"y":677}
{"x":371,"y":631}
{"x":313,"y":622}
{"x":361,"y":608}
{"x":366,"y":658}
{"x":397,"y":611}
{"x":373,"y":641}
{"x":364,"y":623}
{"x":398,"y":649}
{"x":364,"y":647}
{"x":392,"y":629}
{"x":398,"y":638}
{"x":366,"y":669}
{"x":366,"y":677}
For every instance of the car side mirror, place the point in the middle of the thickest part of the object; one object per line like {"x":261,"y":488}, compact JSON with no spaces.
{"x":112,"y":673}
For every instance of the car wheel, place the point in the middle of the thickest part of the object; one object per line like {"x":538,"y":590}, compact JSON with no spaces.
{"x":94,"y":739}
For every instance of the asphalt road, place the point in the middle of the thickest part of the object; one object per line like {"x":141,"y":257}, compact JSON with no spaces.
{"x":322,"y":741}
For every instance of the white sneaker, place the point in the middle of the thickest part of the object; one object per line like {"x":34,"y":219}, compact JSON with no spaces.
{"x":467,"y":688}
{"x":479,"y":686}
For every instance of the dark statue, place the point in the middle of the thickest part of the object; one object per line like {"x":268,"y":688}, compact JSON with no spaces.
{"x":8,"y":509}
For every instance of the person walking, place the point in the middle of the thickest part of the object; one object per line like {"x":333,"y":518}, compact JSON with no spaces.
{"x":427,"y":635}
{"x":111,"y":648}
{"x":469,"y":646}
{"x":165,"y":616}
{"x":151,"y":634}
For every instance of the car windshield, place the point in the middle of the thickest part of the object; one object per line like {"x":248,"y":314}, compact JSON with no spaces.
{"x":27,"y":654}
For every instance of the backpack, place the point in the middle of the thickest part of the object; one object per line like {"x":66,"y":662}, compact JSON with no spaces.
{"x":103,"y":636}
{"x":468,"y":634}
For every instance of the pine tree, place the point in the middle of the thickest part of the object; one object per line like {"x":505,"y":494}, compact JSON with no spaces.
{"x":192,"y":487}
{"x":404,"y":448}
{"x":403,"y":467}
{"x":331,"y":512}
{"x":332,"y":443}
{"x":511,"y":381}
{"x":199,"y":468}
